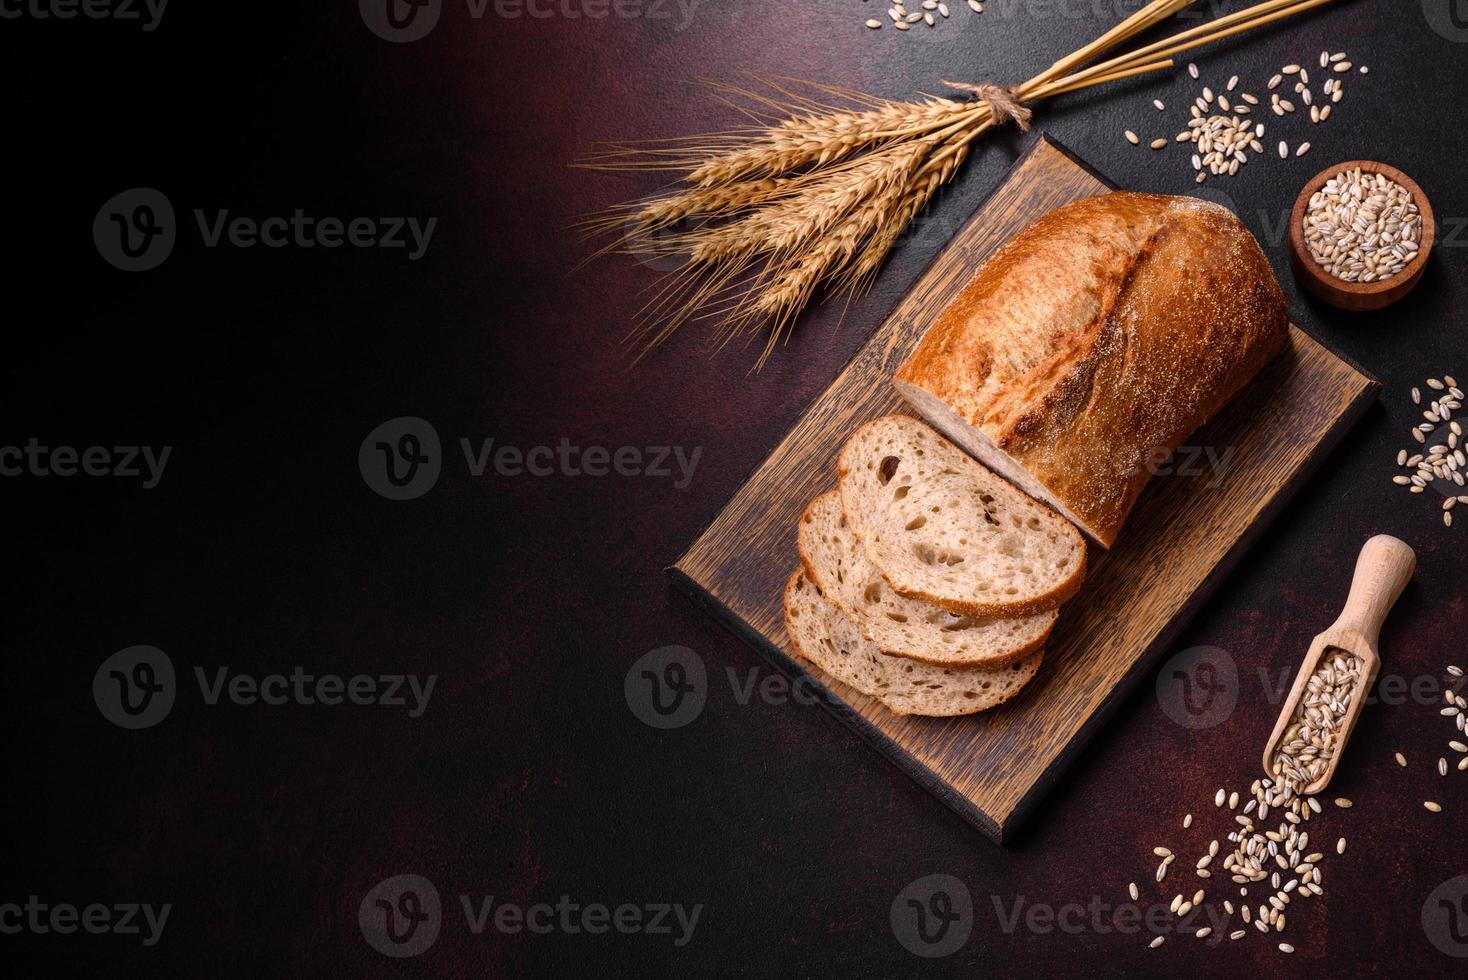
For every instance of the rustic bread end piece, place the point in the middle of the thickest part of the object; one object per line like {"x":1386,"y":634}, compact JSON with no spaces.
{"x":822,"y":635}
{"x":837,"y":564}
{"x":943,"y":529}
{"x":1095,"y":341}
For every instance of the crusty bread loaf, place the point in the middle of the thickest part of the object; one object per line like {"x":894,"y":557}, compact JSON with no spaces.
{"x":835,"y":561}
{"x":1103,"y":334}
{"x":822,"y":635}
{"x":943,"y":529}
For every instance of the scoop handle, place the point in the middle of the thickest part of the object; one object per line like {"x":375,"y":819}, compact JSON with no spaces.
{"x":1382,"y":572}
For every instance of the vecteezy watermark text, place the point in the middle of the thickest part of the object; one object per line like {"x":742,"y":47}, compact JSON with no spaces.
{"x":147,"y":12}
{"x":668,"y":687}
{"x":402,"y":459}
{"x":1099,"y":916}
{"x":1200,"y":686}
{"x":123,"y":462}
{"x":300,"y":687}
{"x":403,"y":21}
{"x":565,"y":459}
{"x":304,"y":231}
{"x":403,"y":915}
{"x":1190,"y":461}
{"x":135,"y":688}
{"x":934,"y":916}
{"x":62,"y":918}
{"x":594,"y":918}
{"x":136,"y":230}
{"x":681,"y":10}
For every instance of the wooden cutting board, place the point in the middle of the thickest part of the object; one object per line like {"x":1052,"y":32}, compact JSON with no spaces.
{"x":1182,"y":539}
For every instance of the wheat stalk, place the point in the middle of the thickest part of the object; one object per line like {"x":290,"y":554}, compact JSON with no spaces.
{"x":794,"y":280}
{"x":934,"y":173}
{"x":816,"y":195}
{"x":817,"y":140}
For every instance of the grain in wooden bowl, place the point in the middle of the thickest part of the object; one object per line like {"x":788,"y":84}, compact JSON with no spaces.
{"x":1330,"y":286}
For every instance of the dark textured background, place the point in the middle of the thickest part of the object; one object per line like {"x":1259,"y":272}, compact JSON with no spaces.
{"x":528,"y":777}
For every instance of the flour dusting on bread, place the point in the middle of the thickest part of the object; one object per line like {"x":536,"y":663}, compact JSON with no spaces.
{"x":1096,"y":340}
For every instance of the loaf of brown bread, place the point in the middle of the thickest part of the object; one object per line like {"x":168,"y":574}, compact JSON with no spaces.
{"x":1102,"y":335}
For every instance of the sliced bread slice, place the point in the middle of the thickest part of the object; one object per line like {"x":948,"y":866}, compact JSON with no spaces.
{"x":837,"y":564}
{"x":822,"y":635}
{"x":944,"y":529}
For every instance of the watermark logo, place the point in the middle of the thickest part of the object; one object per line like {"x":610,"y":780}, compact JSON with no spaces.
{"x":1221,"y":198}
{"x":1272,"y":228}
{"x":136,"y":230}
{"x":1449,"y":18}
{"x":401,"y":21}
{"x":1199,"y":687}
{"x":933,"y":916}
{"x":135,"y":688}
{"x":401,"y":917}
{"x":1445,"y":916}
{"x":661,"y":247}
{"x":401,"y":459}
{"x":667,"y":687}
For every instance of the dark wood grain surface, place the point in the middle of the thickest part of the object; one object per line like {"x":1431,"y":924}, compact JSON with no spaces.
{"x":993,"y":768}
{"x":532,"y":596}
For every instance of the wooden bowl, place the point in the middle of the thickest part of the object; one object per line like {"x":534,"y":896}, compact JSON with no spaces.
{"x":1358,"y":295}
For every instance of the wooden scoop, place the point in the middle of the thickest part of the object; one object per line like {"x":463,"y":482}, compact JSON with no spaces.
{"x":1382,"y":572}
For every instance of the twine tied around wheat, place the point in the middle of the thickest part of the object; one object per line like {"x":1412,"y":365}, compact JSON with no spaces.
{"x":815,"y":195}
{"x":1004,"y":104}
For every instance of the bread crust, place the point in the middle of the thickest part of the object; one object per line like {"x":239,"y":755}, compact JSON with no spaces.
{"x":1102,"y":335}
